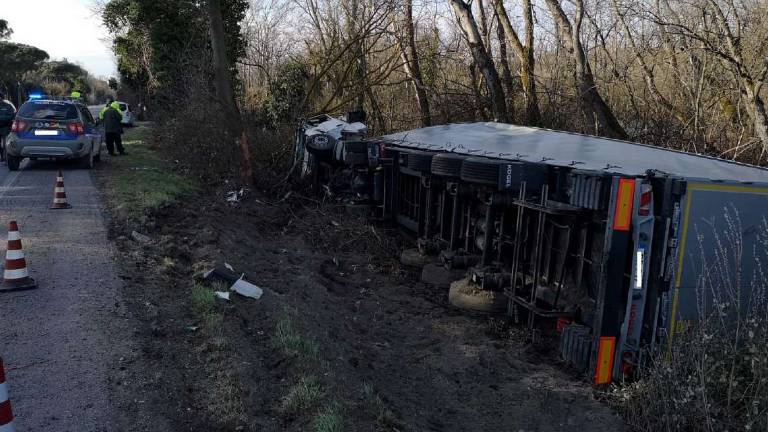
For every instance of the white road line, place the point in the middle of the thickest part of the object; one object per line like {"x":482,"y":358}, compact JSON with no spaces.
{"x":9,"y":180}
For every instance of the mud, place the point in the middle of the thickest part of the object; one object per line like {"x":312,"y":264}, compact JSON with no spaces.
{"x":392,"y":354}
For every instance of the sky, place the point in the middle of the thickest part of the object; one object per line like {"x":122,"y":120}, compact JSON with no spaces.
{"x":64,"y":29}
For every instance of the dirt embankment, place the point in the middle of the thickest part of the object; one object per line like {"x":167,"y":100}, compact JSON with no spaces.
{"x":343,"y":338}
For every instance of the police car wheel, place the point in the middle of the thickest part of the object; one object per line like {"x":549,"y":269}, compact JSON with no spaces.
{"x":87,"y":161}
{"x":13,"y":162}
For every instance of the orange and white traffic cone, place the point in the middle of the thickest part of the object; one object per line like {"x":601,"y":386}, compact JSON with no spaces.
{"x":6,"y":415}
{"x":59,"y":196}
{"x":16,"y":275}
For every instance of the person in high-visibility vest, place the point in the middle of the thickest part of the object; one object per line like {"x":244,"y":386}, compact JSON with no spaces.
{"x":113,"y":129}
{"x":75,"y":95}
{"x":106,"y":107}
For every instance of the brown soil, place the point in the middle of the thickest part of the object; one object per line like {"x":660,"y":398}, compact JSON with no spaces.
{"x":392,"y":354}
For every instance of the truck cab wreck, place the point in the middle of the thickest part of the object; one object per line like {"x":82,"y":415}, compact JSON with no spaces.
{"x":597,"y":239}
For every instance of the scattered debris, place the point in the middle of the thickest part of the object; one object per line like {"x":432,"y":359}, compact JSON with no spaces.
{"x":191,"y":328}
{"x":224,"y":273}
{"x":141,"y":238}
{"x":222,"y":295}
{"x":247,"y":289}
{"x":235,"y":196}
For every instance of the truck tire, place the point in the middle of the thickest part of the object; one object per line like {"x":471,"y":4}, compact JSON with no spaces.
{"x":482,"y":170}
{"x":504,"y":174}
{"x":465,"y":295}
{"x":13,"y":162}
{"x":418,"y":160}
{"x":414,"y":258}
{"x":439,"y":276}
{"x":447,"y":164}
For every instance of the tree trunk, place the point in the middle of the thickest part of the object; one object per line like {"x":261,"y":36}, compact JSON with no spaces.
{"x":524,"y":55}
{"x":412,"y":66}
{"x":599,"y":119}
{"x":506,"y":74}
{"x":757,"y":112}
{"x":224,"y":87}
{"x":358,"y":50}
{"x":482,"y":59}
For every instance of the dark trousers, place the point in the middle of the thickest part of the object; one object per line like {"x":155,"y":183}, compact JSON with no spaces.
{"x":114,"y":139}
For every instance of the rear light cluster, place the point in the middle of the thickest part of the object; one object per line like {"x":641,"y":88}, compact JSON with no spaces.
{"x":646,"y":197}
{"x":76,"y":128}
{"x":18,"y":126}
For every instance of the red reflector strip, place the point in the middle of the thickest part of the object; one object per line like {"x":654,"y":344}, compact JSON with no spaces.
{"x":622,"y":218}
{"x":605,"y":353}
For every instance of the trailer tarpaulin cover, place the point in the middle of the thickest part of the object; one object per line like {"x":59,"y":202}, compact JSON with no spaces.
{"x":582,"y":152}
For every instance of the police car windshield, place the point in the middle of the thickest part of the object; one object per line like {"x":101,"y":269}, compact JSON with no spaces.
{"x":48,"y":111}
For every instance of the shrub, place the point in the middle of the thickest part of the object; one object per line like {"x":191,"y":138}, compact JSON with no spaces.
{"x":714,"y":377}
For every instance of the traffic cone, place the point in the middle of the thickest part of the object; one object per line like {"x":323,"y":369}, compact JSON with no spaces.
{"x":59,"y":196}
{"x":16,"y":275}
{"x":6,"y":415}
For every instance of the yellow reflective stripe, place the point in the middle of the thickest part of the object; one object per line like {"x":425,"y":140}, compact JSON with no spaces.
{"x":625,"y":197}
{"x":605,"y":352}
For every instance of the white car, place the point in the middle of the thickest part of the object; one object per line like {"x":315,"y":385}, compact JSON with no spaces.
{"x":125,"y":110}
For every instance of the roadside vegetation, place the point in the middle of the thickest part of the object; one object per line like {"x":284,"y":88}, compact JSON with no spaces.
{"x":714,"y":375}
{"x":308,"y":396}
{"x":143,"y":181}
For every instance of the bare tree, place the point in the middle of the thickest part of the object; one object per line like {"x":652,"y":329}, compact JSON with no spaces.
{"x":407,"y":45}
{"x":647,"y":71}
{"x":482,"y":59}
{"x":525,"y":56}
{"x":599,"y":117}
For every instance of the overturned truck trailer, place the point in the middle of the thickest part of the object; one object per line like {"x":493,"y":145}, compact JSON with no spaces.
{"x":605,"y":238}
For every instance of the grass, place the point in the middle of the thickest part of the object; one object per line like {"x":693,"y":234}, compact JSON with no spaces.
{"x":329,"y":419}
{"x":288,"y":339}
{"x":385,"y":418}
{"x":142,"y":181}
{"x":304,"y":395}
{"x":204,"y":306}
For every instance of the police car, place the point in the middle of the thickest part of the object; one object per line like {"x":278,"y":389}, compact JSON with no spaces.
{"x":49,"y":128}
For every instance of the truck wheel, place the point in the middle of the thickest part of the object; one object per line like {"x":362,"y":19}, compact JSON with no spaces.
{"x":463,"y":294}
{"x":506,"y":175}
{"x":414,"y":258}
{"x":482,"y":170}
{"x":418,"y":160}
{"x":447,"y":164}
{"x":439,"y":276}
{"x":13,"y":162}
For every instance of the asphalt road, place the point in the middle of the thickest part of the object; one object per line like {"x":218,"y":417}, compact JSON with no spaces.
{"x":59,"y":341}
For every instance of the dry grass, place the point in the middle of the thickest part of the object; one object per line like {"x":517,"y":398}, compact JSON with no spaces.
{"x":304,"y":395}
{"x":292,"y":343}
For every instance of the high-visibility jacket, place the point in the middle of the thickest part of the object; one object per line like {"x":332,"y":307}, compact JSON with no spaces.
{"x":75,"y":95}
{"x":114,"y":105}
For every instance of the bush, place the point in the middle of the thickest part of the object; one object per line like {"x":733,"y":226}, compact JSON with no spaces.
{"x":195,"y":135}
{"x":714,"y":377}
